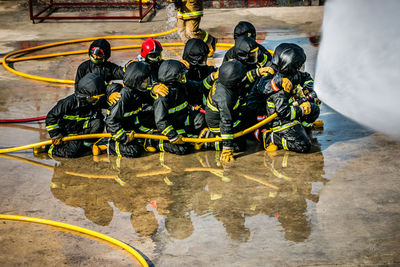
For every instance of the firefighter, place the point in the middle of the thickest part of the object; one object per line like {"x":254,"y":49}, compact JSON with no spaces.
{"x":222,"y":111}
{"x":189,"y":14}
{"x":245,"y":28}
{"x":151,"y":53}
{"x":173,"y":116}
{"x":286,"y":130}
{"x":127,"y":115}
{"x":99,"y":53}
{"x":195,"y":55}
{"x":79,"y":113}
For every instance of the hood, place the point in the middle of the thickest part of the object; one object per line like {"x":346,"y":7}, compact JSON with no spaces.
{"x":231,"y":74}
{"x":243,"y":46}
{"x":244,"y":28}
{"x":170,"y":70}
{"x":90,"y":85}
{"x":104,"y":45}
{"x":288,"y":58}
{"x":195,"y":51}
{"x":135,"y":74}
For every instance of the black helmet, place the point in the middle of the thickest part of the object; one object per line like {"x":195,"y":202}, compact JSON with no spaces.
{"x":288,"y":58}
{"x":232,"y":74}
{"x":91,"y":88}
{"x":171,"y":71}
{"x":244,"y":28}
{"x":246,"y":50}
{"x":195,"y":52}
{"x":99,"y":51}
{"x":137,"y":75}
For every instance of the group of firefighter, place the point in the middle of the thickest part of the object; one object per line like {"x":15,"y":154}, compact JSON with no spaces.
{"x":188,"y":98}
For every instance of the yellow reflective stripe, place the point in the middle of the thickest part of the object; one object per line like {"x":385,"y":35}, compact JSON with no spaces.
{"x":50,"y":151}
{"x":187,"y":121}
{"x":127,"y":114}
{"x":262,"y":63}
{"x":181,"y":131}
{"x":167,"y":130}
{"x":137,"y":120}
{"x":236,"y":123}
{"x":206,"y":84}
{"x":144,"y":129}
{"x":284,"y":144}
{"x":227,"y":136}
{"x":205,"y":37}
{"x":52,"y":127}
{"x":108,"y":112}
{"x":87,"y":144}
{"x":204,"y":100}
{"x":292,"y":113}
{"x":117,"y":149}
{"x":211,"y":106}
{"x":118,"y":134}
{"x":190,"y":14}
{"x":285,"y":160}
{"x":217,"y":147}
{"x":215,"y":130}
{"x":307,"y":82}
{"x":291,"y":100}
{"x":249,"y":76}
{"x":254,"y":50}
{"x":305,"y":124}
{"x":161,"y":145}
{"x":75,"y":118}
{"x":85,"y":125}
{"x":236,"y":105}
{"x":270,"y":104}
{"x":178,"y":108}
{"x":285,"y":126}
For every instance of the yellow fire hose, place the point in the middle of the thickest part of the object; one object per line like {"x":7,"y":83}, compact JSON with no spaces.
{"x":75,"y":228}
{"x":139,"y":135}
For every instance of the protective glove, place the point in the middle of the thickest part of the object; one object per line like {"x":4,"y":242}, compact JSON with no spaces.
{"x":305,"y":108}
{"x":160,"y":89}
{"x":186,"y":63}
{"x":265,"y":71}
{"x":114,"y":97}
{"x":131,"y":136}
{"x":178,"y":140}
{"x":57,"y":140}
{"x":287,"y":85}
{"x":227,"y":155}
{"x":214,"y":75}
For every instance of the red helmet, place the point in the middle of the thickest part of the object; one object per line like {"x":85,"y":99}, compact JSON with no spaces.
{"x":151,"y":47}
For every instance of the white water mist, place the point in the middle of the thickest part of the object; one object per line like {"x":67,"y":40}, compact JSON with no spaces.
{"x":358,"y":64}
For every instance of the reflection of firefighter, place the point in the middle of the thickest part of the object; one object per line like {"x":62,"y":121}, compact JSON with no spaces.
{"x":93,"y":186}
{"x":189,"y":13}
{"x":297,"y":176}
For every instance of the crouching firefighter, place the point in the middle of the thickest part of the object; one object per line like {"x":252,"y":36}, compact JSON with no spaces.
{"x":222,"y":111}
{"x":286,"y":129}
{"x":125,"y":117}
{"x":173,"y":116}
{"x":79,"y":113}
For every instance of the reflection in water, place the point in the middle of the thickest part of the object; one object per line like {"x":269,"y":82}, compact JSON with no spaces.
{"x":163,"y":194}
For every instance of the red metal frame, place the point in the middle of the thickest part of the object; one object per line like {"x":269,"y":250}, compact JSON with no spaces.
{"x":52,"y":4}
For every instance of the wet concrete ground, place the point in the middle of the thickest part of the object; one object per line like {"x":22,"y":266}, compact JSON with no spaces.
{"x":338,"y":205}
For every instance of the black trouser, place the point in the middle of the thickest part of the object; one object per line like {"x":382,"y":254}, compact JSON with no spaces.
{"x":293,"y":138}
{"x":131,"y":150}
{"x":78,"y":148}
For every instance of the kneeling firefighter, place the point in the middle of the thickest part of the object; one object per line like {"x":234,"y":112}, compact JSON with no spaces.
{"x":123,"y":119}
{"x":222,"y":111}
{"x":79,"y":113}
{"x":286,"y":129}
{"x":173,"y":116}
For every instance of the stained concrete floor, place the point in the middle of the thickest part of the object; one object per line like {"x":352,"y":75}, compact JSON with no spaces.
{"x":338,"y":205}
